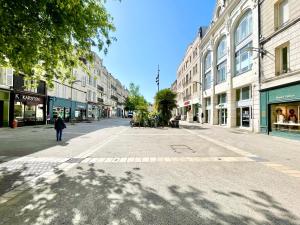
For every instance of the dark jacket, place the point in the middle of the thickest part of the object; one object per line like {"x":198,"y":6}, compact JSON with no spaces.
{"x":59,"y":124}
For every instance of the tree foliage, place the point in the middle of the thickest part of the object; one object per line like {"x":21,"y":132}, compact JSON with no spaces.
{"x":135,"y":101}
{"x":165,"y":102}
{"x":47,"y":38}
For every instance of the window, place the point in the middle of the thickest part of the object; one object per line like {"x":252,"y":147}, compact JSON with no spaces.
{"x":207,"y":62}
{"x":221,"y":72}
{"x":89,"y":95}
{"x":281,"y":13}
{"x":243,"y":59}
{"x":222,"y":98}
{"x":207,"y":71}
{"x":244,"y":28}
{"x":221,"y":61}
{"x":243,"y":93}
{"x":282,"y":59}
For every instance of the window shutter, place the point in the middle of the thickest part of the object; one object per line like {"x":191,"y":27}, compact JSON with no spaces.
{"x":9,"y":77}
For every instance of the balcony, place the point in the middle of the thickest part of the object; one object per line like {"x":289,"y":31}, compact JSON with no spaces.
{"x":100,"y":88}
{"x":114,"y":98}
{"x":100,"y":100}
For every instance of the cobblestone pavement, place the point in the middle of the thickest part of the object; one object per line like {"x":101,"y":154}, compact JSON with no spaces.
{"x":117,"y":175}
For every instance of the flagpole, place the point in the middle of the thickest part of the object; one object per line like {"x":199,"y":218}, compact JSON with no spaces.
{"x":157,"y":78}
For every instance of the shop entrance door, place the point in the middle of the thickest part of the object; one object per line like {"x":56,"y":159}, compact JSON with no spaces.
{"x":245,"y":117}
{"x":1,"y":113}
{"x":222,"y":116}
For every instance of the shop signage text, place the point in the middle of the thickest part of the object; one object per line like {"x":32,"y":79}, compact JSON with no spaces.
{"x":285,"y":97}
{"x":28,"y":98}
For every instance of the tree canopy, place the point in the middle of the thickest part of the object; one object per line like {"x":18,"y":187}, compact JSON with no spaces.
{"x":135,"y":101}
{"x":165,"y":102}
{"x":47,"y":38}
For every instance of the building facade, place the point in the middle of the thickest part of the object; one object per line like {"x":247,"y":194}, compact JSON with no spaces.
{"x":228,"y":75}
{"x":6,"y":85}
{"x":188,"y":79}
{"x":280,"y":67}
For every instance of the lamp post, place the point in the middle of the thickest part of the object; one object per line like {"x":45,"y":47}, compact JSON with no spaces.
{"x":72,"y":83}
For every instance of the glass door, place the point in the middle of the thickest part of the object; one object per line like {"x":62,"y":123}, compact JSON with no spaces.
{"x":245,"y":117}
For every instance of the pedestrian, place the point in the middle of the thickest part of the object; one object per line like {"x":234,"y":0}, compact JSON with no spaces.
{"x":59,"y":125}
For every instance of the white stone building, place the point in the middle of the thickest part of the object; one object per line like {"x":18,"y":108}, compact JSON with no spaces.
{"x":280,"y":67}
{"x":229,"y":68}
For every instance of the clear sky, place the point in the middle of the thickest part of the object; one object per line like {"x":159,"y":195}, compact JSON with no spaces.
{"x":152,"y":32}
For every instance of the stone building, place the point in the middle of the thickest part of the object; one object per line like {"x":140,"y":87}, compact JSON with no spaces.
{"x":229,"y":66}
{"x":226,"y":84}
{"x":188,"y":78}
{"x":280,"y":66}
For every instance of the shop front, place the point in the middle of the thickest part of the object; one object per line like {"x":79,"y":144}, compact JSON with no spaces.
{"x":92,"y":111}
{"x":59,"y":107}
{"x":4,"y":108}
{"x":80,"y":111}
{"x":280,"y":111}
{"x":28,"y":108}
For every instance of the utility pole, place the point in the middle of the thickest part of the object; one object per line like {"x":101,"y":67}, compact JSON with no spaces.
{"x":157,"y":78}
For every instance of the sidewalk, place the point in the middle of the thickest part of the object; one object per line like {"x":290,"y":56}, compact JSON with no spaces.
{"x":270,"y":148}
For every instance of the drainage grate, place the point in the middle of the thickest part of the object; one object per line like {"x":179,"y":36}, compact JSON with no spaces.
{"x":74,"y":160}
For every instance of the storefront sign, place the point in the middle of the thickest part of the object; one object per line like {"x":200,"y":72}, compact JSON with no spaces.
{"x":285,"y":97}
{"x":186,"y":103}
{"x":285,"y":94}
{"x":28,"y":99}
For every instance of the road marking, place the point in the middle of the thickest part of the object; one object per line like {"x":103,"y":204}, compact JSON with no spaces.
{"x":224,"y":145}
{"x":283,"y":169}
{"x":165,"y":160}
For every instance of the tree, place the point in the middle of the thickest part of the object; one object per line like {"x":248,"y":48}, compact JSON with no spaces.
{"x":48,"y":38}
{"x":165,"y":102}
{"x":135,"y":100}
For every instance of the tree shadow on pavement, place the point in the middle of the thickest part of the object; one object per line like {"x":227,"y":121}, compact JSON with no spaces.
{"x":95,"y":197}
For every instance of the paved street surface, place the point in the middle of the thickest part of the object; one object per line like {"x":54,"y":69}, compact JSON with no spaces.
{"x":106,"y":173}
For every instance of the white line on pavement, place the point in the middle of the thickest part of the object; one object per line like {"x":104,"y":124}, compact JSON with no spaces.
{"x":224,"y":145}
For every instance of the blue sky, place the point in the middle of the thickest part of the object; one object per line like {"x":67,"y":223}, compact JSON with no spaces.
{"x":152,"y":32}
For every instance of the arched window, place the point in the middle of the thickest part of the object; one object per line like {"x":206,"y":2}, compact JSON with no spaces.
{"x":244,"y":28}
{"x":222,"y":61}
{"x":243,"y":44}
{"x":207,"y":71}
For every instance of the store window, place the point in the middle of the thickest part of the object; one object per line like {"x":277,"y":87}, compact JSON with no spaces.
{"x":285,"y":117}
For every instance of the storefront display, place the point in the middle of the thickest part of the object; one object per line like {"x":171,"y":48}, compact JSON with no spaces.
{"x":285,"y":117}
{"x":280,"y":110}
{"x":29,"y":109}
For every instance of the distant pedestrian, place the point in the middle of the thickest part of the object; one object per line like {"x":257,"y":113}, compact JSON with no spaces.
{"x":59,"y":125}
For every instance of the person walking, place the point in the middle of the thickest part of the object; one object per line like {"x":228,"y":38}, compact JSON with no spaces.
{"x":59,"y":125}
